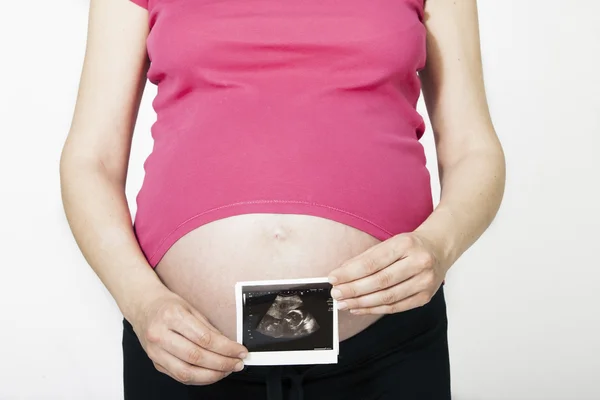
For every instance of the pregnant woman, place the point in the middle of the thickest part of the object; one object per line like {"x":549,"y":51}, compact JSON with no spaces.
{"x":286,"y":145}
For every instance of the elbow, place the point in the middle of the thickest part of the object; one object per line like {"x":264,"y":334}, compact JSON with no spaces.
{"x":69,"y":170}
{"x":68,"y":162}
{"x":79,"y":164}
{"x":493,"y":152}
{"x":483,"y":153}
{"x":477,"y":141}
{"x":74,"y":162}
{"x":64,"y":164}
{"x":488,"y":156}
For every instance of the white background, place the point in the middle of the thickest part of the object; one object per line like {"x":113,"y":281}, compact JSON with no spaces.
{"x":523,"y":302}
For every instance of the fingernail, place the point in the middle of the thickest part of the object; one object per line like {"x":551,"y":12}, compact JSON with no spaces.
{"x":238,"y":367}
{"x":333,"y":280}
{"x":336,"y":294}
{"x":341,"y":305}
{"x":243,"y":355}
{"x":354,"y":312}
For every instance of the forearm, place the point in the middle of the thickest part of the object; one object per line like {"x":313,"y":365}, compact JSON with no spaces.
{"x":472,"y":188}
{"x":97,"y":211}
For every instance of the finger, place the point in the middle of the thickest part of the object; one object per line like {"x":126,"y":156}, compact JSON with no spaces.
{"x":198,"y":333}
{"x":204,"y":320}
{"x":388,"y":277}
{"x":185,"y":372}
{"x":414,"y":301}
{"x":369,"y":262}
{"x":160,"y":368}
{"x":193,"y":354}
{"x":391,"y":295}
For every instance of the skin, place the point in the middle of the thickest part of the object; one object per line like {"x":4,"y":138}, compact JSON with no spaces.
{"x":400,"y":273}
{"x":93,"y":169}
{"x":406,"y":270}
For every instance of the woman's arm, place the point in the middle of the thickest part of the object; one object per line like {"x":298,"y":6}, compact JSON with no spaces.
{"x":470,"y":157}
{"x":96,"y":153}
{"x":406,"y":270}
{"x":93,"y":168}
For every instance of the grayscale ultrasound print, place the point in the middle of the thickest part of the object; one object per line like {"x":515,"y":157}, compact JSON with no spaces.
{"x":286,"y":318}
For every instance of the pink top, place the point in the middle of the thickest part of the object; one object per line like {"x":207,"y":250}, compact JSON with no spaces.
{"x":290,"y":107}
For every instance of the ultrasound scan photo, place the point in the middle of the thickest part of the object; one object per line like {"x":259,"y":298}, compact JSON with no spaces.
{"x":288,"y":317}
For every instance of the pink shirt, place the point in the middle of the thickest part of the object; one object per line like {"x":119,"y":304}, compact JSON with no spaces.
{"x":302,"y":107}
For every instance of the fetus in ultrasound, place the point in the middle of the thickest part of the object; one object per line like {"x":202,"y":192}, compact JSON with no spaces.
{"x":286,"y":318}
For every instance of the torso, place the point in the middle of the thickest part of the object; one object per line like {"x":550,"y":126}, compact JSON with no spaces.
{"x":204,"y":265}
{"x":286,"y":142}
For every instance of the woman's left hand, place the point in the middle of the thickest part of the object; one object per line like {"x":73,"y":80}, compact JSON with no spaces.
{"x":396,"y":275}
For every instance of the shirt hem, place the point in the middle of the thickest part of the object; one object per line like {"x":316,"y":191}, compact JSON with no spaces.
{"x":263,"y":207}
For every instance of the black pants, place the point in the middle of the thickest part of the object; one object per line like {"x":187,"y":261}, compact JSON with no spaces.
{"x":402,"y":356}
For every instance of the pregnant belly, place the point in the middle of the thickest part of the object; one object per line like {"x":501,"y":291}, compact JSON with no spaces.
{"x":204,"y":265}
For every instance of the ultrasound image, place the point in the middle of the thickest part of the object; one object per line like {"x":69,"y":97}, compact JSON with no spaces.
{"x":286,"y":318}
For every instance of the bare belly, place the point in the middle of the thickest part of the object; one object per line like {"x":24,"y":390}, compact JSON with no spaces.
{"x":204,"y":265}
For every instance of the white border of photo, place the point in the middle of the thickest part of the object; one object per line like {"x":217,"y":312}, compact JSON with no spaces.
{"x":297,"y":357}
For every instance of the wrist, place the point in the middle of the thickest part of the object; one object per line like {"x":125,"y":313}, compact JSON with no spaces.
{"x":441,"y":246}
{"x":138,"y":297}
{"x":441,"y":235}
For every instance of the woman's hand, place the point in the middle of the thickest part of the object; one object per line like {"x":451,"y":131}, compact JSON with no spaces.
{"x":183,"y":344}
{"x":398,"y":274}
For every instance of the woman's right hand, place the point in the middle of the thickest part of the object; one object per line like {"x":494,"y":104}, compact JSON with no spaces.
{"x":183,"y":344}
